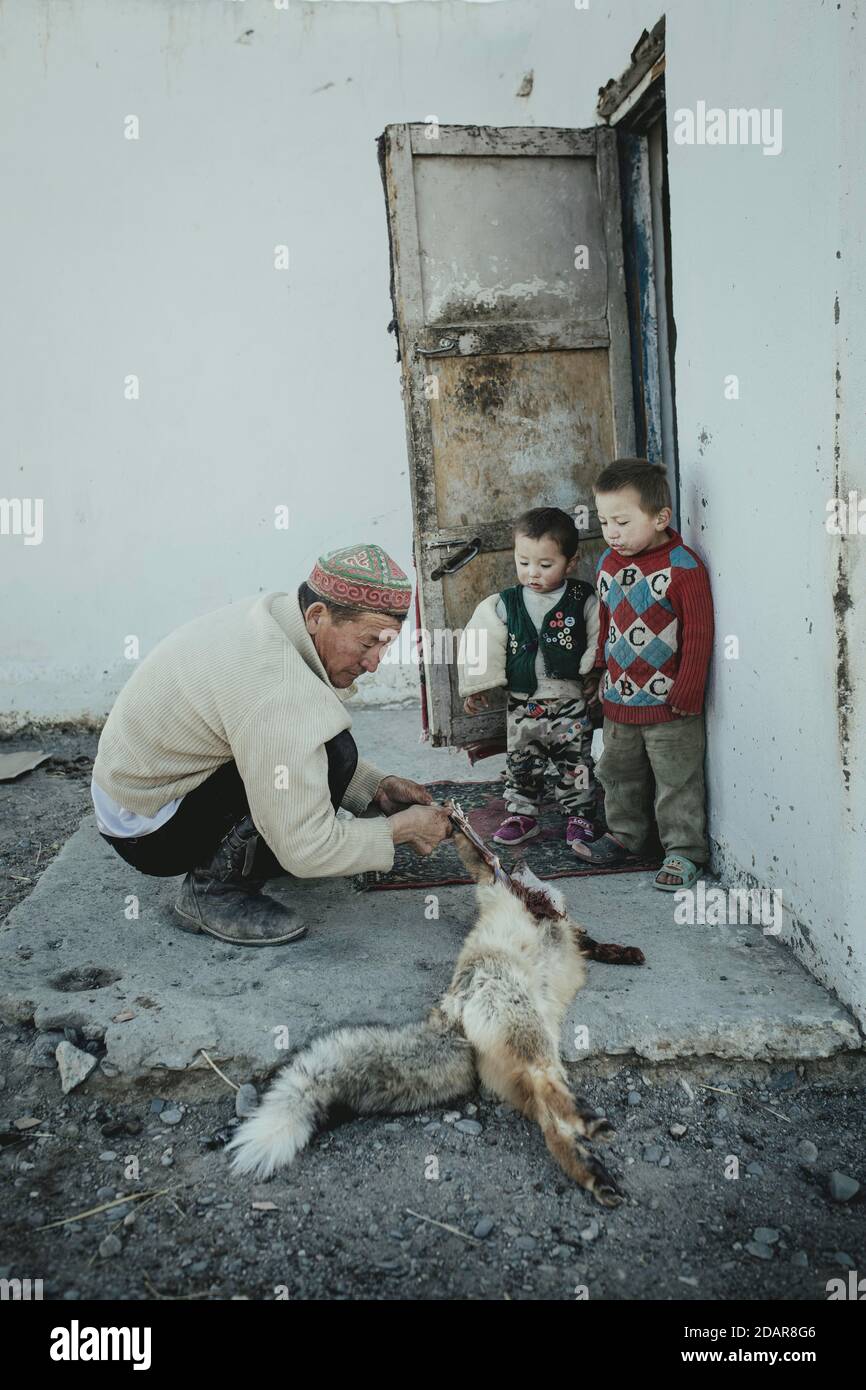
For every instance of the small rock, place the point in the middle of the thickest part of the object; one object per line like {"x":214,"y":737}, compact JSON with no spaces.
{"x":755,"y":1169}
{"x":107,"y":1156}
{"x":105,"y":1194}
{"x":807,"y":1151}
{"x":74,"y":1065}
{"x":109,"y":1247}
{"x":156,"y":1105}
{"x":590,"y":1232}
{"x":677,"y":1131}
{"x":483,"y":1228}
{"x":171,"y":1115}
{"x":760,"y":1251}
{"x":652,"y":1153}
{"x":246,"y":1101}
{"x":71,"y":1296}
{"x":783,"y":1081}
{"x":450,"y":1116}
{"x":800,"y":1259}
{"x":665,"y":1162}
{"x":843,"y":1188}
{"x":468,"y":1126}
{"x":167,"y":1160}
{"x":634,"y":1097}
{"x":526,"y":1242}
{"x":765,"y":1235}
{"x":842,"y":1257}
{"x":471,"y":1109}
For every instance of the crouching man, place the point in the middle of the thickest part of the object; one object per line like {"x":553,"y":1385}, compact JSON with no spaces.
{"x":228,"y":752}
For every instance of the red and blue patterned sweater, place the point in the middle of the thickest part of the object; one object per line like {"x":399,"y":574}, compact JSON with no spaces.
{"x":655,"y":632}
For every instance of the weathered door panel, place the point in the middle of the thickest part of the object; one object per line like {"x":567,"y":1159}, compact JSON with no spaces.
{"x":515,"y":356}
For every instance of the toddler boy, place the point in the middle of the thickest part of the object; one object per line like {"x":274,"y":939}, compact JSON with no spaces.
{"x":538,"y":640}
{"x":654,"y":649}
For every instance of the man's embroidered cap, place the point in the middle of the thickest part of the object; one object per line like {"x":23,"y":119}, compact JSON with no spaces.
{"x":362,"y":576}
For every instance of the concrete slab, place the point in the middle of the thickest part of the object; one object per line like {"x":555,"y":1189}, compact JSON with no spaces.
{"x":74,"y":954}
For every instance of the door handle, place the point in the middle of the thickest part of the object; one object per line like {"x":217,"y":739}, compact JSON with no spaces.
{"x":445,"y":345}
{"x":456,"y":562}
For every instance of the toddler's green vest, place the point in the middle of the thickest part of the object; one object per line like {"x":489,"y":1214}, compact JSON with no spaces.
{"x":562,"y":635}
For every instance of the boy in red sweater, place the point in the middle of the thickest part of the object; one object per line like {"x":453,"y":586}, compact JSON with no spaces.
{"x":655,"y":639}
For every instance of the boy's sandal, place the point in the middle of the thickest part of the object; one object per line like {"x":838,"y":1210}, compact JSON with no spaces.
{"x":688,"y":873}
{"x":603,"y":853}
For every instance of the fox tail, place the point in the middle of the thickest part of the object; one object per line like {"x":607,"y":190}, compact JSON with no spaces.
{"x":369,"y":1070}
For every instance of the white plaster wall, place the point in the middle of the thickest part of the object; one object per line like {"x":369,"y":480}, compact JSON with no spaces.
{"x":755,"y":280}
{"x":155,"y":257}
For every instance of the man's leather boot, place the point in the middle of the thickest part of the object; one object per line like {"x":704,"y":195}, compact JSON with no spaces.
{"x":223,"y":899}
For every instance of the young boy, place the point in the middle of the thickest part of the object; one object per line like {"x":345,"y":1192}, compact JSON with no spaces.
{"x":654,"y":645}
{"x":538,"y":640}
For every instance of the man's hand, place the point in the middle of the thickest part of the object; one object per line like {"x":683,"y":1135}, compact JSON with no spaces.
{"x":422,"y":827}
{"x":394,"y":793}
{"x":474,"y":704}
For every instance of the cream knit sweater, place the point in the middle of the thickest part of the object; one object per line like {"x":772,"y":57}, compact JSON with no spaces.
{"x":245,"y":682}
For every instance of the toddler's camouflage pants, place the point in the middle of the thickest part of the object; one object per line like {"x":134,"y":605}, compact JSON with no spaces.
{"x":542,"y":731}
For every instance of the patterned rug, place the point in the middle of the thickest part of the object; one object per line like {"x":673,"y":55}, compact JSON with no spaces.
{"x":547,"y":854}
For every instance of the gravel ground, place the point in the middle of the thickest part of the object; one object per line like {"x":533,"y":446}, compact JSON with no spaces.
{"x":363,"y":1214}
{"x":41,"y":809}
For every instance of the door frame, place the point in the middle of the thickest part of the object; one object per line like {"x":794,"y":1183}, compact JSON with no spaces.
{"x":634,"y":106}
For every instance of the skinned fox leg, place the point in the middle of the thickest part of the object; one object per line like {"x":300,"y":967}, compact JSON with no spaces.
{"x":365,"y":1071}
{"x":515,"y":1060}
{"x":541,"y":1095}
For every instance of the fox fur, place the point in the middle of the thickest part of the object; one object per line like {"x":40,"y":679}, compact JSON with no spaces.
{"x":498,"y":1023}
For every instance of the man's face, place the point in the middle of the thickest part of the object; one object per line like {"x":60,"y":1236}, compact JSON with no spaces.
{"x":348,"y":650}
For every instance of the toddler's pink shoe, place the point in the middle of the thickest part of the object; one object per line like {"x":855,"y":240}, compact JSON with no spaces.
{"x":579,"y":828}
{"x":515,"y":829}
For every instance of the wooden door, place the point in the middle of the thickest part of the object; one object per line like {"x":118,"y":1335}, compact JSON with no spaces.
{"x":509,"y":302}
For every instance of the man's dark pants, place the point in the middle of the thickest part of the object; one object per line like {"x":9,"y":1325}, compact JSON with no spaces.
{"x":190,"y":838}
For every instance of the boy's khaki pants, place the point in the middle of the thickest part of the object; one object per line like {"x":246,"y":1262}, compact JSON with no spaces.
{"x":674,"y":752}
